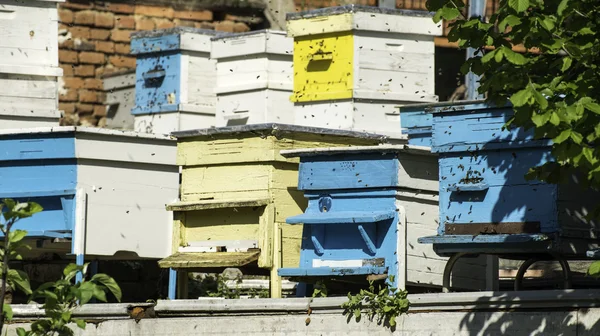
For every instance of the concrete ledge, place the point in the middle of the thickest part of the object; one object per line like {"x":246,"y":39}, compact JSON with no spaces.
{"x":224,"y":306}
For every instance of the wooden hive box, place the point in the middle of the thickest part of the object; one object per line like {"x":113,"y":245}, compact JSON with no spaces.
{"x":353,"y":64}
{"x":367,"y":206}
{"x":29,"y":64}
{"x":175,"y":79}
{"x":486,"y":203}
{"x":102,"y":190}
{"x":236,"y":192}
{"x":120,"y":99}
{"x":254,"y":78}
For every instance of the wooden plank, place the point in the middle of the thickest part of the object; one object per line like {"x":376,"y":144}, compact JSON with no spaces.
{"x":211,"y":204}
{"x":203,"y":260}
{"x":225,"y":178}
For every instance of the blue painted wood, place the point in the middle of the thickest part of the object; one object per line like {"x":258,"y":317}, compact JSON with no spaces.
{"x":330,"y":271}
{"x":47,"y":146}
{"x":172,"y":284}
{"x":144,"y":44}
{"x":341,"y":217}
{"x":417,"y":124}
{"x":158,"y":82}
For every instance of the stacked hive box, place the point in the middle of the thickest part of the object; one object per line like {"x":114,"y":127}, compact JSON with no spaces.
{"x":353,"y":65}
{"x":236,"y":192}
{"x":29,"y":64}
{"x":175,"y":80}
{"x":120,"y":99}
{"x":254,"y":78}
{"x":102,"y":190}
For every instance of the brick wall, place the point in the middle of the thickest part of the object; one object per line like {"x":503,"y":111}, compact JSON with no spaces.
{"x":94,"y":40}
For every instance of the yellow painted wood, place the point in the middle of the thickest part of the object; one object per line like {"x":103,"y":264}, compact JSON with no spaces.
{"x":178,"y":219}
{"x":320,"y":25}
{"x":214,"y":259}
{"x":222,"y":173}
{"x":323,"y":67}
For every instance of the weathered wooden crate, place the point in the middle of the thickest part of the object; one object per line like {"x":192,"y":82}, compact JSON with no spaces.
{"x":353,"y":64}
{"x":237,"y":191}
{"x":120,"y":99}
{"x":175,"y":79}
{"x":102,"y":190}
{"x":254,"y":78}
{"x":487,"y":204}
{"x":367,"y":206}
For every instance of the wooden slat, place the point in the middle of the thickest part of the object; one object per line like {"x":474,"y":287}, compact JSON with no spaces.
{"x":209,"y":259}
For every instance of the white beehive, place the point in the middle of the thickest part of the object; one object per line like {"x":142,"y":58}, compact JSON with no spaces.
{"x":29,"y":63}
{"x":175,"y":80}
{"x":354,"y":64}
{"x":120,"y":98}
{"x":254,"y":78}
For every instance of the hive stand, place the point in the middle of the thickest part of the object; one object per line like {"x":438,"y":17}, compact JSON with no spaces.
{"x":486,"y":204}
{"x":236,"y":191}
{"x":103,"y":192}
{"x":175,"y":80}
{"x":29,"y":68}
{"x":366,"y":208}
{"x":254,"y":78}
{"x":354,"y":64}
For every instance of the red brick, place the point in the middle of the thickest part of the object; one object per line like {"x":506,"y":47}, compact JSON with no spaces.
{"x":66,"y":44}
{"x":240,"y":27}
{"x":156,"y":11}
{"x":80,"y":32}
{"x":99,"y":34}
{"x":88,"y":96}
{"x":85,"y":17}
{"x":88,"y":120}
{"x":163,"y":23}
{"x":225,"y":26}
{"x":84,"y":71}
{"x":105,"y":46}
{"x":91,"y":58}
{"x":93,"y":84}
{"x":67,"y":70}
{"x":245,"y":19}
{"x":122,"y":21}
{"x":65,"y":16}
{"x":122,"y":61}
{"x":120,"y":35}
{"x":205,"y":25}
{"x":184,"y":23}
{"x":73,"y":82}
{"x":66,"y":56}
{"x":102,"y":122}
{"x":204,"y":15}
{"x":120,"y":8}
{"x":107,"y":70}
{"x":68,"y":108}
{"x":144,"y":23}
{"x":84,"y":108}
{"x":106,"y":20}
{"x":122,"y":48}
{"x":100,"y":111}
{"x":79,"y":5}
{"x":82,"y":45}
{"x":68,"y":95}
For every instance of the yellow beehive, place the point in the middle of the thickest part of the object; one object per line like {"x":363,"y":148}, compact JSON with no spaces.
{"x":354,"y":64}
{"x":236,"y":193}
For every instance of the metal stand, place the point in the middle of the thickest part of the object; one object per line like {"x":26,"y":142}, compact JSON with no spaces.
{"x":448,"y":271}
{"x":523,"y":268}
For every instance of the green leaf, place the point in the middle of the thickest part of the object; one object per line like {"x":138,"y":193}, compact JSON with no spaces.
{"x":561,"y":7}
{"x":514,"y":57}
{"x":449,"y":13}
{"x":554,"y":119}
{"x":357,"y":312}
{"x":594,"y":269}
{"x":21,"y":332}
{"x":522,"y":97}
{"x":511,"y":20}
{"x":109,"y":283}
{"x":577,"y":137}
{"x":518,"y":5}
{"x":8,"y":312}
{"x":566,"y":63}
{"x":564,"y":135}
{"x":80,"y":323}
{"x":18,"y":279}
{"x":548,"y":23}
{"x":498,"y":55}
{"x":589,"y":154}
{"x":392,"y":320}
{"x":16,"y":235}
{"x":488,"y":56}
{"x":586,"y":31}
{"x":594,"y":107}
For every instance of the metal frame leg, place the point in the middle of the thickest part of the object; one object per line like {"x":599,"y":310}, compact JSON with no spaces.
{"x":567,"y":277}
{"x":448,"y":271}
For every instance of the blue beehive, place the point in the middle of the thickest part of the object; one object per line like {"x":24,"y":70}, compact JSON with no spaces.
{"x":486,"y":204}
{"x":94,"y":186}
{"x":366,"y":208}
{"x":175,"y":79}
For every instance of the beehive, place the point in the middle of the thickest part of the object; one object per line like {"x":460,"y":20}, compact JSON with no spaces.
{"x":29,"y":64}
{"x":236,"y":192}
{"x":487,"y":204}
{"x":175,"y":79}
{"x":367,"y":206}
{"x":120,"y":99}
{"x":254,"y":78}
{"x":353,"y":64}
{"x":102,"y":190}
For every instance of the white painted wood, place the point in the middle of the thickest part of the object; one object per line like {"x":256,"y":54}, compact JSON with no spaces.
{"x":218,"y":245}
{"x":401,"y":247}
{"x":128,"y":181}
{"x":253,"y":107}
{"x":165,"y":123}
{"x":9,"y":121}
{"x":256,"y":42}
{"x":80,"y":222}
{"x":120,"y":99}
{"x":29,"y":31}
{"x":199,"y":73}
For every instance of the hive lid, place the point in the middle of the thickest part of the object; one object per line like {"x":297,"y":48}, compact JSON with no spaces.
{"x":382,"y":149}
{"x":172,"y":39}
{"x":277,"y":130}
{"x":351,"y":8}
{"x":449,"y":106}
{"x":215,"y":204}
{"x":79,"y":129}
{"x":209,"y":259}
